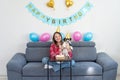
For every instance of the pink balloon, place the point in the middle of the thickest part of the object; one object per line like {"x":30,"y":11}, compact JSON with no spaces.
{"x":45,"y":37}
{"x":77,"y":36}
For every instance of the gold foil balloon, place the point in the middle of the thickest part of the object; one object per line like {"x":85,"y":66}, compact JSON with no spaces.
{"x":51,"y":4}
{"x":69,"y":3}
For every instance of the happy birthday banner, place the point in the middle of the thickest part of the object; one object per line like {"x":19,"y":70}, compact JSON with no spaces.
{"x":59,"y":21}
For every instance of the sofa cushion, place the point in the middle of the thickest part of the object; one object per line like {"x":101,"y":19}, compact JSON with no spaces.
{"x":36,"y":54}
{"x":87,"y":68}
{"x":82,"y":51}
{"x":84,"y":54}
{"x":34,"y":69}
{"x":80,"y":68}
{"x":35,"y":51}
{"x":38,"y":44}
{"x":65,"y":78}
{"x":37,"y":69}
{"x":83,"y":44}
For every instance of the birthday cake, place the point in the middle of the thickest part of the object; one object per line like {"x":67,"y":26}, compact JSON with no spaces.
{"x":60,"y":57}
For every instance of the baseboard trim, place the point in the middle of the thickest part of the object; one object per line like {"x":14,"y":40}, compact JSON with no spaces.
{"x":118,"y":74}
{"x":3,"y":77}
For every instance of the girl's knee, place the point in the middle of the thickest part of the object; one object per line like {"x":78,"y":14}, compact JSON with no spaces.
{"x":45,"y":60}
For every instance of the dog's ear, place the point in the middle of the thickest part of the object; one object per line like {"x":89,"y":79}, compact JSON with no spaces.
{"x":64,"y":39}
{"x":70,"y":39}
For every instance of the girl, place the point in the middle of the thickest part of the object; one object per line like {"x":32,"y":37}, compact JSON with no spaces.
{"x":55,"y":49}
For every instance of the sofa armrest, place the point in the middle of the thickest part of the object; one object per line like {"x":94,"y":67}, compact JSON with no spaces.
{"x":106,"y":61}
{"x":16,"y":63}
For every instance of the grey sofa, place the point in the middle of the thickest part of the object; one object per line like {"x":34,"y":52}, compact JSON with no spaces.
{"x":90,"y":65}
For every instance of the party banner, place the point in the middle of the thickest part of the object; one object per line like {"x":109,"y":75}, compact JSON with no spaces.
{"x":58,"y":21}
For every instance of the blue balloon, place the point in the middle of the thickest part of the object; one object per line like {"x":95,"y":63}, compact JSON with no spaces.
{"x":34,"y":37}
{"x":63,"y":36}
{"x":87,"y":36}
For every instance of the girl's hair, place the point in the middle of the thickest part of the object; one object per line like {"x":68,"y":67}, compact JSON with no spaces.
{"x":54,"y":37}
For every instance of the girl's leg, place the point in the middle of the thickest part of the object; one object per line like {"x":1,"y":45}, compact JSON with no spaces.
{"x":56,"y":66}
{"x":45,"y":60}
{"x":67,"y":64}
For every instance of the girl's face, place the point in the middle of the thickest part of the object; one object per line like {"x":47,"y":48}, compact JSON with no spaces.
{"x":57,"y":37}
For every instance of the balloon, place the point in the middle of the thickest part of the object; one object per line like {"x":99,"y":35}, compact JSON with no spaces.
{"x":69,"y":3}
{"x":77,"y":36}
{"x":63,"y":36}
{"x":34,"y":37}
{"x":51,"y":4}
{"x":87,"y":36}
{"x":45,"y":37}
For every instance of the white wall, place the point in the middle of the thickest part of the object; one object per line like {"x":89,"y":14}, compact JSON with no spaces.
{"x":16,"y":23}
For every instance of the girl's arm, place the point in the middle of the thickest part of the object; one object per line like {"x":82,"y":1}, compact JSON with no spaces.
{"x":52,"y":53}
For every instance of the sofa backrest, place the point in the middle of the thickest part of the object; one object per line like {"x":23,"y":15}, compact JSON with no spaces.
{"x":82,"y":51}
